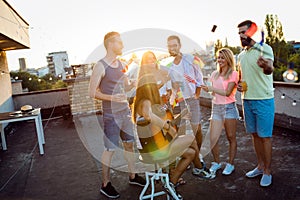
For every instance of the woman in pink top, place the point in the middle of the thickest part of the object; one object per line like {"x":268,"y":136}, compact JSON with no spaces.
{"x":224,"y":111}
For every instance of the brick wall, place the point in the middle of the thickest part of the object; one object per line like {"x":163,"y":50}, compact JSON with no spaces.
{"x":80,"y":101}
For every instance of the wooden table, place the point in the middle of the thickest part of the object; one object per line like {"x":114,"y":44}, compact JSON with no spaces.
{"x":35,"y":114}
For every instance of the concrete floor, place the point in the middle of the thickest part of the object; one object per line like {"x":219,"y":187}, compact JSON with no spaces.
{"x":70,"y":168}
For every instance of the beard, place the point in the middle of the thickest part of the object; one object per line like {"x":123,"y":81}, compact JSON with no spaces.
{"x":245,"y":41}
{"x":173,"y":53}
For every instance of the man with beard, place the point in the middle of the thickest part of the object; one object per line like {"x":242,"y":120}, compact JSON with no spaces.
{"x":255,"y":65}
{"x":108,"y":83}
{"x":186,"y":79}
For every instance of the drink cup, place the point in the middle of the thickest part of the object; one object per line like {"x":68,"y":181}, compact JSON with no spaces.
{"x":244,"y":85}
{"x":209,"y":83}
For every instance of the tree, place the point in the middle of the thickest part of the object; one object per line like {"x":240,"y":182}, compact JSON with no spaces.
{"x":218,"y":45}
{"x":34,"y":83}
{"x":59,"y":84}
{"x":29,"y":81}
{"x":276,"y":40}
{"x":284,"y":52}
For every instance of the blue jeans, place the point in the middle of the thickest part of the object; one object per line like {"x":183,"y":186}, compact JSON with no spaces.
{"x":116,"y":126}
{"x":224,"y":111}
{"x":194,"y":109}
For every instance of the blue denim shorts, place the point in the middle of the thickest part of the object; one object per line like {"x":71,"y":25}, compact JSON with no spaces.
{"x":116,"y":126}
{"x":224,"y":111}
{"x":259,"y":116}
{"x":194,"y":106}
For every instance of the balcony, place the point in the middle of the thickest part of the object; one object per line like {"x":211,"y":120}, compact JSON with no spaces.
{"x":14,"y":32}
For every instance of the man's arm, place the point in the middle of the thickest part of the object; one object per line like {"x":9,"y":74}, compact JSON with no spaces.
{"x":95,"y":80}
{"x":197,"y":64}
{"x":266,"y":65}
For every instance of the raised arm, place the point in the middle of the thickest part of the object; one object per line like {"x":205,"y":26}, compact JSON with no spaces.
{"x":266,"y":64}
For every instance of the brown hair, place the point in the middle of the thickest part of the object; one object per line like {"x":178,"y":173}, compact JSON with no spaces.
{"x":147,"y":89}
{"x":245,"y":23}
{"x":174,"y":37}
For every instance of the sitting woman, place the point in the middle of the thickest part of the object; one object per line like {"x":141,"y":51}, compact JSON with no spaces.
{"x":159,"y":139}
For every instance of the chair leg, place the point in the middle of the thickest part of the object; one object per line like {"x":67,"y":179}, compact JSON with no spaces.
{"x":151,"y":178}
{"x":170,"y":189}
{"x":146,"y":186}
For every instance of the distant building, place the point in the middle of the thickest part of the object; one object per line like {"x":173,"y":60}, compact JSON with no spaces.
{"x":22,"y":63}
{"x":42,"y":71}
{"x":58,"y":63}
{"x":295,"y":44}
{"x":32,"y":71}
{"x":82,"y":70}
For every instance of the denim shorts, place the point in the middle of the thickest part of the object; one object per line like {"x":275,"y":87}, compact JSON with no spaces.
{"x":224,"y":111}
{"x":194,"y":106}
{"x":259,"y":116}
{"x":117,"y":125}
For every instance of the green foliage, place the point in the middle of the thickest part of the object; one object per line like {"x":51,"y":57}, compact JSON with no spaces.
{"x":50,"y":78}
{"x":278,"y":71}
{"x":59,"y":84}
{"x":219,"y":45}
{"x":34,"y":83}
{"x":284,"y":53}
{"x":236,"y":50}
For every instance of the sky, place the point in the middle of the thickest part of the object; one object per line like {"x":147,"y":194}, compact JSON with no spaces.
{"x":78,"y":27}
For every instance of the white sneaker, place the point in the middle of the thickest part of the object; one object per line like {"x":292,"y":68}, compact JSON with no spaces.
{"x":215,"y":167}
{"x":228,"y":169}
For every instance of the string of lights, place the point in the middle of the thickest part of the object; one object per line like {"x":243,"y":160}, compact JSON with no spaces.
{"x":285,"y":96}
{"x":2,"y":72}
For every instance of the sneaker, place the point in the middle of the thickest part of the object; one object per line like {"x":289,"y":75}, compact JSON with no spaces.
{"x":215,"y":167}
{"x":228,"y":169}
{"x":255,"y":172}
{"x":266,"y":180}
{"x":109,"y":191}
{"x":174,"y":190}
{"x":137,"y":180}
{"x":203,"y":173}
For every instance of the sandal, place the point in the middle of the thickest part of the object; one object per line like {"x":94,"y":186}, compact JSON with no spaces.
{"x":180,"y":181}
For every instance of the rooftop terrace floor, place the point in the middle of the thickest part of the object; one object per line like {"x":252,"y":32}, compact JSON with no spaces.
{"x":70,"y":169}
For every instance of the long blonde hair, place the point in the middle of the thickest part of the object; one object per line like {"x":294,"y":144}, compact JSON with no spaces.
{"x":144,"y":58}
{"x":229,"y":57}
